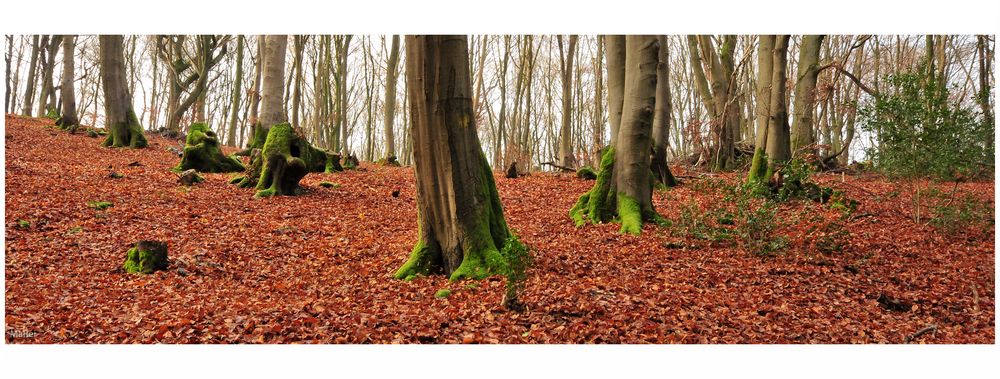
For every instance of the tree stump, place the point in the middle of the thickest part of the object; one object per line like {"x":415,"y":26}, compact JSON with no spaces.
{"x":146,"y":257}
{"x":586,"y":173}
{"x":512,"y":171}
{"x":190,"y":178}
{"x":202,"y":152}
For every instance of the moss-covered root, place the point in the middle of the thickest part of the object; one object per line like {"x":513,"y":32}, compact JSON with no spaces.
{"x":758,"y":167}
{"x":146,"y":257}
{"x":130,"y":134}
{"x":594,"y":205}
{"x":424,"y":260}
{"x":202,"y":152}
{"x":282,"y":168}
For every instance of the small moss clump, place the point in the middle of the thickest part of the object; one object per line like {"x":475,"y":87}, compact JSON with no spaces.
{"x":203,"y":153}
{"x":326,"y":184}
{"x":23,"y":224}
{"x":443,"y":293}
{"x":100,"y":205}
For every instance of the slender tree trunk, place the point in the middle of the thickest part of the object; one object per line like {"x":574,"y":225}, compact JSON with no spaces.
{"x":29,"y":92}
{"x":272,"y":110}
{"x":237,"y":86}
{"x":765,"y":67}
{"x":461,"y":225}
{"x":778,"y":150}
{"x":46,"y":98}
{"x":68,"y":120}
{"x":300,"y":44}
{"x":7,"y":57}
{"x":389,"y":107}
{"x":123,"y":127}
{"x":615,"y":49}
{"x":566,"y":156}
{"x":598,"y":100}
{"x":661,"y":117}
{"x":805,"y":96}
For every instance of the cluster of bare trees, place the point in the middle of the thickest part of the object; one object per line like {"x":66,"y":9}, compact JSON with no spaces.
{"x":538,"y":99}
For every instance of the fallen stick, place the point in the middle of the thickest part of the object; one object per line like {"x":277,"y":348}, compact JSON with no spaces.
{"x":925,"y":330}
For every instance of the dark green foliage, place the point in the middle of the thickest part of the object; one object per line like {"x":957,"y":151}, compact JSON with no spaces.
{"x":920,"y":132}
{"x":202,"y":152}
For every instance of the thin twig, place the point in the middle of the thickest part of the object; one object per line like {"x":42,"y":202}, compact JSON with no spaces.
{"x":925,"y":330}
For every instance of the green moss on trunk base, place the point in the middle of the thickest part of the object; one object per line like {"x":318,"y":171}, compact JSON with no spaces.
{"x":128,"y":133}
{"x":593,"y":205}
{"x":630,"y":214}
{"x":146,"y":257}
{"x":202,"y":152}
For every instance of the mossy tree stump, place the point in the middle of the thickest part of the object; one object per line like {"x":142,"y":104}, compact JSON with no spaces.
{"x":146,"y":257}
{"x":203,"y":153}
{"x":285,"y":159}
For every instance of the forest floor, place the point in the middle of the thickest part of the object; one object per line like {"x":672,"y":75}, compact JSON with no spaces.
{"x":317,"y":268}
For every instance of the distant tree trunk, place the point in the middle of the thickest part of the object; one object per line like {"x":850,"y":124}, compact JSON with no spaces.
{"x":566,"y":158}
{"x":6,"y":58}
{"x":237,"y":86}
{"x":342,"y":55}
{"x":598,"y":99}
{"x":68,"y":119}
{"x":389,"y":108}
{"x":461,"y":225}
{"x":29,"y":91}
{"x":46,"y":98}
{"x":123,"y":127}
{"x":615,"y":49}
{"x":300,"y":45}
{"x":661,"y":117}
{"x":623,"y":189}
{"x":985,"y":57}
{"x":805,"y":96}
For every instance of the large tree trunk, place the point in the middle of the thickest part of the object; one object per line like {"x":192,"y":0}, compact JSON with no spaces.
{"x":623,"y":189}
{"x":462,"y":229}
{"x":615,"y":49}
{"x":661,"y":117}
{"x":566,"y":156}
{"x":805,"y":88}
{"x":389,"y":107}
{"x":120,"y":120}
{"x":237,"y":86}
{"x":29,"y":91}
{"x":68,"y":119}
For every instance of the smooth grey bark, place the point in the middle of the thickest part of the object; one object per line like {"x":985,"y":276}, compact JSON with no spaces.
{"x":615,"y":49}
{"x":566,"y":156}
{"x":778,"y":150}
{"x":389,"y":107}
{"x":68,"y":118}
{"x":805,"y":96}
{"x":661,"y":116}
{"x":237,"y":87}
{"x":29,"y":91}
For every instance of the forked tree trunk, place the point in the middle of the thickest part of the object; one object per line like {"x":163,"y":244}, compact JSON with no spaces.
{"x":237,"y":87}
{"x":462,"y":229}
{"x":68,"y":120}
{"x":805,"y":88}
{"x":624,"y":189}
{"x":661,"y":117}
{"x":123,"y":127}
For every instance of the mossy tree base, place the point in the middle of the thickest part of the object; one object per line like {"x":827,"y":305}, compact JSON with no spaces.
{"x":285,"y":159}
{"x":146,"y":257}
{"x":127,"y":134}
{"x":604,"y":203}
{"x":203,"y":153}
